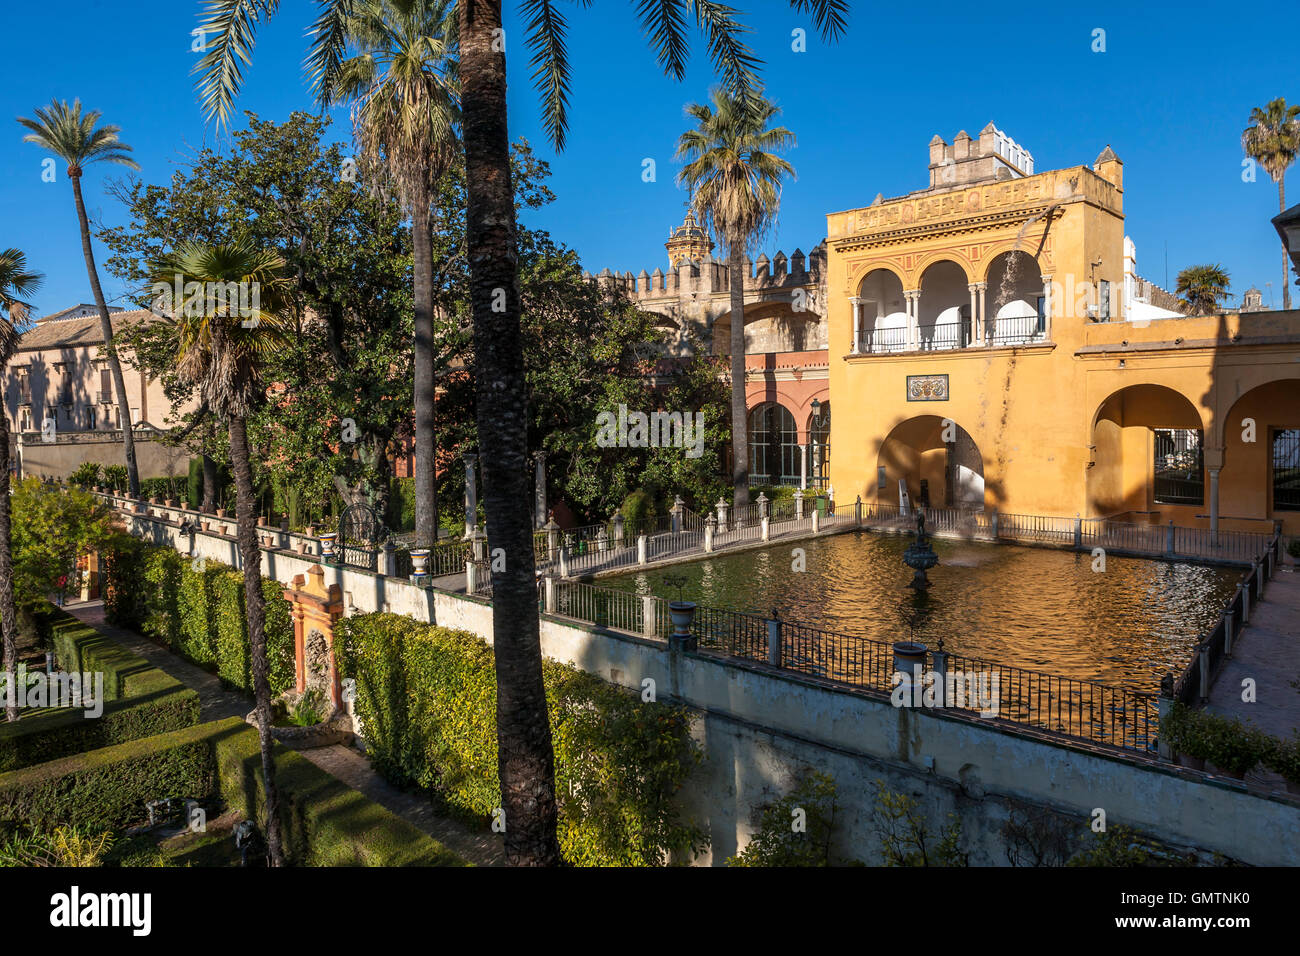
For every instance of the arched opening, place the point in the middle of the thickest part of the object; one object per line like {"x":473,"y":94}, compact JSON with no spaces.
{"x":819,"y":446}
{"x":1260,"y":478}
{"x":1013,"y":300}
{"x":1147,"y":452}
{"x":944,"y":315}
{"x":882,"y":322}
{"x":773,"y":327}
{"x":773,"y":446}
{"x":936,"y":451}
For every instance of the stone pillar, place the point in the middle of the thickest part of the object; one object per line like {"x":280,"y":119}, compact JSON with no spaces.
{"x":774,"y":641}
{"x":314,"y":609}
{"x":642,"y":549}
{"x":1047,"y":308}
{"x":539,"y":484}
{"x":618,"y":530}
{"x":1214,"y":506}
{"x":722,"y":514}
{"x":855,"y":337}
{"x":552,"y":539}
{"x":974,"y":337}
{"x":677,"y":512}
{"x":798,"y":506}
{"x":710,"y":526}
{"x":986,"y":333}
{"x":471,"y":496}
{"x":649,"y":623}
{"x":803,"y":467}
{"x":913,"y":319}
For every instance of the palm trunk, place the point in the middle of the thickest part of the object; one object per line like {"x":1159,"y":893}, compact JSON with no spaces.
{"x":1286,"y":259}
{"x":209,"y":505}
{"x":426,"y":507}
{"x":736,"y":274}
{"x":525,"y":758}
{"x":8,"y":614}
{"x":110,"y":348}
{"x":255,"y":612}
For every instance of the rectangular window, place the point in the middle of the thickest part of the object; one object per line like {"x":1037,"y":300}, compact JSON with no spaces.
{"x":1286,"y":469}
{"x":105,"y":386}
{"x":90,"y":412}
{"x":1179,"y":471}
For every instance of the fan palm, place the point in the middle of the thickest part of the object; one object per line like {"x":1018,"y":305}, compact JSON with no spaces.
{"x":220,"y":344}
{"x":16,"y":283}
{"x":734,"y":176}
{"x":79,"y":140}
{"x":1202,"y":288}
{"x":1273,"y":141}
{"x":401,"y":79}
{"x":524,"y":753}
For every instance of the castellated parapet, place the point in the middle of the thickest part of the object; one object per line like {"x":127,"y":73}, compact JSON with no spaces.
{"x":785,"y":300}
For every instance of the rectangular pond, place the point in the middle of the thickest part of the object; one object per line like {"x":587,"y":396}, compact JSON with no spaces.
{"x":1035,"y":608}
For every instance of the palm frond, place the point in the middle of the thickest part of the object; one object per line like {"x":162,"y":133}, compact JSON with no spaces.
{"x":831,"y":16}
{"x":723,"y":32}
{"x":550,"y":62}
{"x":665,"y":23}
{"x":221,"y":68}
{"x":329,"y":47}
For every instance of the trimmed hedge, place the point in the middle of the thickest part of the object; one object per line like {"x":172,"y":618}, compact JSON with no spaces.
{"x":427,"y":699}
{"x":140,"y":699}
{"x":198,"y":613}
{"x":326,"y":823}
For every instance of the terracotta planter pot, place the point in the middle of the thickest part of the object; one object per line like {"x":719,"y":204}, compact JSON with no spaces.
{"x":207,"y":525}
{"x":221,"y":512}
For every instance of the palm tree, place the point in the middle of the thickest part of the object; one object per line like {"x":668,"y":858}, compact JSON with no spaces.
{"x":77,"y":139}
{"x":734,"y":176}
{"x":219,"y":347}
{"x":402,"y":79}
{"x":525,"y":756}
{"x":1202,"y":288}
{"x":1273,"y":141}
{"x":16,"y":283}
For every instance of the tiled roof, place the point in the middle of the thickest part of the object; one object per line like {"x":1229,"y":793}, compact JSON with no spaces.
{"x":76,"y":333}
{"x":88,"y":306}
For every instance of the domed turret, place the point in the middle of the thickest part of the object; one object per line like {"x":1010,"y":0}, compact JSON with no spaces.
{"x":688,"y":241}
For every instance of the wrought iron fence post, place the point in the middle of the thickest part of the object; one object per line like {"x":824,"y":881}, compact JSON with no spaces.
{"x":1078,"y":533}
{"x":1227,"y":633}
{"x":857,"y":512}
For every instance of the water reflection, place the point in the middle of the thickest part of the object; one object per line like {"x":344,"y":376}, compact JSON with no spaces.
{"x":1029,"y":607}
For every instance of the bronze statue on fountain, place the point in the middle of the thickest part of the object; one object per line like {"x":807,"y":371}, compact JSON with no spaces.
{"x":919,"y":556}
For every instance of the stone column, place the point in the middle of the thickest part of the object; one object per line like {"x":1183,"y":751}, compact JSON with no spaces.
{"x":1214,"y":506}
{"x":974,"y":337}
{"x":722,"y":514}
{"x":913,"y":319}
{"x":986,"y":333}
{"x":471,"y":496}
{"x":539,"y":483}
{"x":857,"y":325}
{"x":798,"y":505}
{"x":803,"y":467}
{"x":1047,"y":308}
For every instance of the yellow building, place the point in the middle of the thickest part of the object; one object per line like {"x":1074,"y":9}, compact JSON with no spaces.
{"x":989,"y":334}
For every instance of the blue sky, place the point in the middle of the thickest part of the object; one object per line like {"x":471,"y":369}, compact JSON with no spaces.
{"x":1171,"y":94}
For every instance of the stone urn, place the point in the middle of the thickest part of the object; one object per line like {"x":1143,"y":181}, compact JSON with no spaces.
{"x":681,"y":613}
{"x":327,"y":542}
{"x":420,"y":561}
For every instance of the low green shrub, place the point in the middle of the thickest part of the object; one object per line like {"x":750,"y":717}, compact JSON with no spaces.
{"x":795,"y":830}
{"x":140,"y":699}
{"x":86,"y":475}
{"x":427,"y":699}
{"x":1232,"y":746}
{"x":326,"y":823}
{"x":1284,"y":758}
{"x":197,"y":610}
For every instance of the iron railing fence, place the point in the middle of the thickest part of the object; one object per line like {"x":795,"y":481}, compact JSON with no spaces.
{"x":1016,"y":330}
{"x":1098,"y":713}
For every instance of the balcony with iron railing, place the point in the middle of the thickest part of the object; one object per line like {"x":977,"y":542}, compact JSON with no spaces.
{"x":952,"y":336}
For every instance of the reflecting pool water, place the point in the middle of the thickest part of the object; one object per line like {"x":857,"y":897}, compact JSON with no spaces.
{"x":1028,"y":607}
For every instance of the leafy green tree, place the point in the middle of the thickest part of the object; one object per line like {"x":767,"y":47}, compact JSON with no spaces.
{"x":1273,"y":140}
{"x":220,"y":350}
{"x":348,"y":358}
{"x":525,"y":753}
{"x":52,"y":527}
{"x":735,"y":177}
{"x":79,"y":140}
{"x":17,"y":282}
{"x":1203,"y":288}
{"x":795,"y":830}
{"x":402,"y":80}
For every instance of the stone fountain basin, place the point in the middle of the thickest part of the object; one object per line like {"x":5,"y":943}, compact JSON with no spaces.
{"x":336,"y":730}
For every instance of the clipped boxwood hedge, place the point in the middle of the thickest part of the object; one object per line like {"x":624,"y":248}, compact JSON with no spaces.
{"x":427,"y":699}
{"x":140,"y":699}
{"x":197,"y":612}
{"x":326,"y":823}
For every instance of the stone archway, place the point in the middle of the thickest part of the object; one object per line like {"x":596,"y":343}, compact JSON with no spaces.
{"x":935,"y":450}
{"x":1129,"y":472}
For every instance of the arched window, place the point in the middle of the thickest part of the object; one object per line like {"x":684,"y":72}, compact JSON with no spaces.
{"x":773,"y":446}
{"x":819,"y":446}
